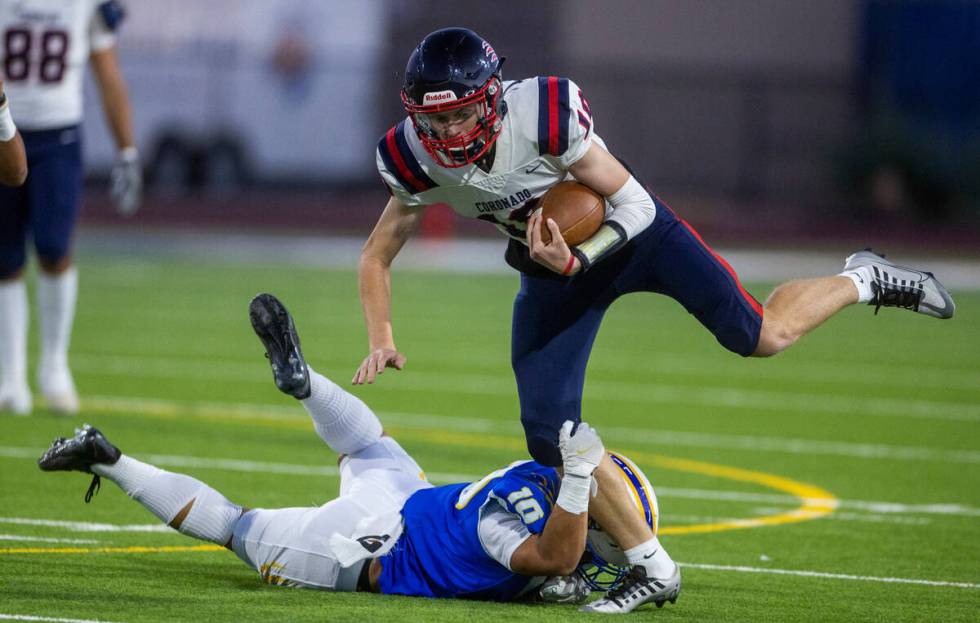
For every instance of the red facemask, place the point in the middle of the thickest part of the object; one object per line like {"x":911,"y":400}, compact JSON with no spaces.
{"x":466,"y":148}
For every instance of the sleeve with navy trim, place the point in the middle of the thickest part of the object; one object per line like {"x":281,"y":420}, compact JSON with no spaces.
{"x":106,"y":18}
{"x":565,"y":125}
{"x":400,"y":169}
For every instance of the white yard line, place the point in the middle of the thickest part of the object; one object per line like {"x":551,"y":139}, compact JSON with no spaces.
{"x":649,"y":436}
{"x":863,"y":505}
{"x":238,"y":465}
{"x":679,"y":363}
{"x":672,"y":518}
{"x":83,"y":526}
{"x":458,"y":255}
{"x":40,"y":539}
{"x":30,"y":617}
{"x":829,"y":576}
{"x":833,"y":401}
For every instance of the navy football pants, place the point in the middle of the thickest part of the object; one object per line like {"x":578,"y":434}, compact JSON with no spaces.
{"x":47,"y":204}
{"x":556,"y":320}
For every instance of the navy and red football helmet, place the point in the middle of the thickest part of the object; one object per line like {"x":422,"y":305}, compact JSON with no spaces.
{"x":451,"y":69}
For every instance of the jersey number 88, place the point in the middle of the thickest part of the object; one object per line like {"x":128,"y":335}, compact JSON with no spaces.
{"x":17,"y":44}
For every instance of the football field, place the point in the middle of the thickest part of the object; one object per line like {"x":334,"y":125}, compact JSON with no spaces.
{"x":839,"y":481}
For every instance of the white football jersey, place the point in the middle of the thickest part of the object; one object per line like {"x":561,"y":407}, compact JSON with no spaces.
{"x":547,"y":127}
{"x":45,"y":47}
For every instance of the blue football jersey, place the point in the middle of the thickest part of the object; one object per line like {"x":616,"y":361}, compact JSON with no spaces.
{"x":440,"y":553}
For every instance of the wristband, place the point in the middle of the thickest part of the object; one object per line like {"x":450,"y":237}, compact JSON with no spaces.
{"x":129,"y":154}
{"x":7,"y":128}
{"x":568,"y":267}
{"x":573,"y":496}
{"x":610,"y":237}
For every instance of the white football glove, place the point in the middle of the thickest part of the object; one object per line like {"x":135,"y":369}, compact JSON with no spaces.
{"x":581,"y":452}
{"x":564,"y":589}
{"x":126,"y":182}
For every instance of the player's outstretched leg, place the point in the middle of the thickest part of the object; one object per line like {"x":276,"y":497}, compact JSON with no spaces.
{"x":275,"y":328}
{"x":638,"y":589}
{"x":341,"y":419}
{"x":885,"y":284}
{"x":180,"y":501}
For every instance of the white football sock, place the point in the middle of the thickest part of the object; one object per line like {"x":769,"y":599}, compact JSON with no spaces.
{"x":13,"y":335}
{"x":862,"y":278}
{"x":341,"y":419}
{"x":56,"y":296}
{"x":652,"y":556}
{"x":211,"y":518}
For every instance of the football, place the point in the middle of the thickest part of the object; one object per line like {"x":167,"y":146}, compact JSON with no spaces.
{"x":577,"y":209}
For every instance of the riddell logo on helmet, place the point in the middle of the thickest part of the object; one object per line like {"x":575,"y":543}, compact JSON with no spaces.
{"x":488,"y":50}
{"x":438,"y":96}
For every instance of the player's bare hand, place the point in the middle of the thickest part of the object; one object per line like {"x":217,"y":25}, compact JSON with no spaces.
{"x":375,"y":364}
{"x":555,"y":255}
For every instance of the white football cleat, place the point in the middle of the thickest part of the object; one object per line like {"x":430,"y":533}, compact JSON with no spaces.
{"x":58,"y":389}
{"x":16,"y":400}
{"x":638,"y":589}
{"x":899,"y":286}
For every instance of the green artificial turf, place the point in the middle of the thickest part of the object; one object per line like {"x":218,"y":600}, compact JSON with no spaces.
{"x":880,"y":412}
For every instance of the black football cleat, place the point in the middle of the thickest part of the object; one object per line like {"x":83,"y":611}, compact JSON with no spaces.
{"x":276,"y":330}
{"x":78,"y":454}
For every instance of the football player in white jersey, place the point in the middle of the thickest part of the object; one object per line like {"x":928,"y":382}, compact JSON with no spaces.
{"x":391,"y":531}
{"x":13,"y":160}
{"x":46,"y":46}
{"x":489,"y":149}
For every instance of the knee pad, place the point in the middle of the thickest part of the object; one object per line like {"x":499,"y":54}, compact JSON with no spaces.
{"x":212,"y":517}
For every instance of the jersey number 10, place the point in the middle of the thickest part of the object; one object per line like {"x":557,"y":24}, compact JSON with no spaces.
{"x":17,"y":57}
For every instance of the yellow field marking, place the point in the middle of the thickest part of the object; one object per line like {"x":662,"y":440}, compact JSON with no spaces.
{"x":816,"y":502}
{"x":134,"y":549}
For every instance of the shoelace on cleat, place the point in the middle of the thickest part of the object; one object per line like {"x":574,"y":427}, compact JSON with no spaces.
{"x":894,"y":293}
{"x":632,"y":584}
{"x":93,"y":488}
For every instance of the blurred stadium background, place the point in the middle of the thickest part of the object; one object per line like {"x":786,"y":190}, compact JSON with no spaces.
{"x":764,"y":122}
{"x":800,"y":128}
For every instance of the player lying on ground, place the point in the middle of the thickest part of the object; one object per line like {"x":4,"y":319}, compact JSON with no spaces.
{"x":13,"y":160}
{"x":390,"y":531}
{"x":490,"y":148}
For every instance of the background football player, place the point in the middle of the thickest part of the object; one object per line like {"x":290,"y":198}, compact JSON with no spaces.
{"x":490,"y":148}
{"x":390,"y":531}
{"x":13,"y":160}
{"x":46,"y":46}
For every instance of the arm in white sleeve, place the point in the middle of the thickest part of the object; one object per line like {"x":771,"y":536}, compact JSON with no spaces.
{"x":500,"y":532}
{"x":633,"y":208}
{"x":633,"y":211}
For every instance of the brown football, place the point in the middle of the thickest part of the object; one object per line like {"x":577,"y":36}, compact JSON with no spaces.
{"x":578,"y":210}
